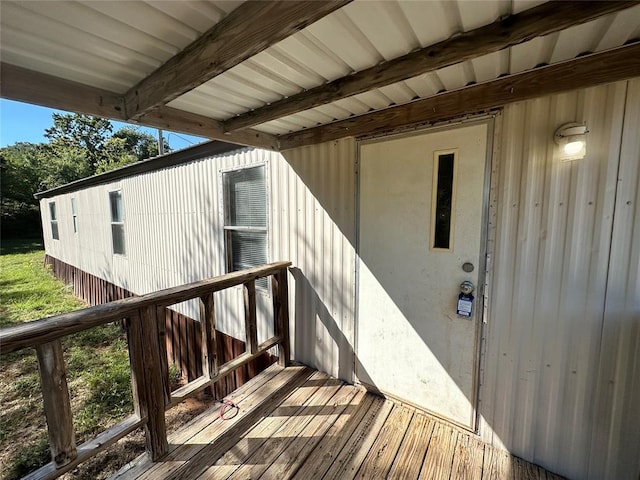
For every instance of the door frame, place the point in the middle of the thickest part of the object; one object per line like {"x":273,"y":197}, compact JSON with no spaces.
{"x":488,"y":211}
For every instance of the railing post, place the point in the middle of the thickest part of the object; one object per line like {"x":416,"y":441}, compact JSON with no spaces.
{"x":280,"y":292}
{"x":57,"y":407}
{"x":208,"y":329}
{"x":146,"y":371}
{"x":250,"y":325}
{"x":162,"y":344}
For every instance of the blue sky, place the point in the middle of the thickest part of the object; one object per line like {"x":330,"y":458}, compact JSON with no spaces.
{"x":22,"y":122}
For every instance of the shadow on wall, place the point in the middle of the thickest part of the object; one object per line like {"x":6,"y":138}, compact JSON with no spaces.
{"x":306,"y":322}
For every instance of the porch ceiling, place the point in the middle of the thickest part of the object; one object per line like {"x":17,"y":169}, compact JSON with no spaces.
{"x":250,"y":72}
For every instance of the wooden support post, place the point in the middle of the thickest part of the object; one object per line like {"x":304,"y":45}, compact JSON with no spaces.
{"x":161,"y":313}
{"x":146,"y":371}
{"x":57,"y":407}
{"x":250,"y":325}
{"x":208,"y":329}
{"x":280,"y":292}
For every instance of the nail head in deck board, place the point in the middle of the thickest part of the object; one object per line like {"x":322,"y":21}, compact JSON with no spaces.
{"x":383,"y":452}
{"x":350,"y":458}
{"x":468,"y":458}
{"x":322,"y":457}
{"x":411,"y":454}
{"x":439,"y":458}
{"x":57,"y":406}
{"x":291,"y":459}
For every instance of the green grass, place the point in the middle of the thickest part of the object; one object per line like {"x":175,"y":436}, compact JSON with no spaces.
{"x":97,"y":361}
{"x":28,"y":290}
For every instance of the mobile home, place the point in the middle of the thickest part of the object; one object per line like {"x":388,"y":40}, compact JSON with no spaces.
{"x":449,"y":249}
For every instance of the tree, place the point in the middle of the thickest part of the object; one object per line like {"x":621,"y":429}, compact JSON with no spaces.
{"x":19,"y":166}
{"x":79,"y":132}
{"x":78,"y":146}
{"x":127,"y":145}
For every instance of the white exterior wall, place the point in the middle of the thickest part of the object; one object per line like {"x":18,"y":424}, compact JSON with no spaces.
{"x":174,"y":235}
{"x":561,"y":372}
{"x":562,"y":368}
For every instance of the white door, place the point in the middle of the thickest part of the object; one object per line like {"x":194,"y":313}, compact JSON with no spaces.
{"x":420,"y":236}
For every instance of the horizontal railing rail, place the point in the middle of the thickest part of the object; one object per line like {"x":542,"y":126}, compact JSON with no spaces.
{"x":144,"y":320}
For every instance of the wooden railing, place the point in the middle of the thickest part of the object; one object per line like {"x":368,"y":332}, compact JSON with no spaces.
{"x":148,"y":359}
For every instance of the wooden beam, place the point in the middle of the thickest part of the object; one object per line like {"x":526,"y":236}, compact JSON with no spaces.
{"x":249,"y":29}
{"x":23,"y":85}
{"x":595,"y":69}
{"x":541,"y":20}
{"x":169,"y":118}
{"x":20,"y":84}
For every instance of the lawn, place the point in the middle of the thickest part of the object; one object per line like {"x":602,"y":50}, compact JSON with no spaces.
{"x":98,"y":374}
{"x":97,"y":364}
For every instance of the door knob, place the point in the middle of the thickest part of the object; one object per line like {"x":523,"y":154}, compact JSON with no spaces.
{"x":467,"y":287}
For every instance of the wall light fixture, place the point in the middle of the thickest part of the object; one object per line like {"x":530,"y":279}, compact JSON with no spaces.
{"x":572,"y":140}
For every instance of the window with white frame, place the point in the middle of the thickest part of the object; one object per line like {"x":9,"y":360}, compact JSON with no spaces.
{"x":54,"y":220}
{"x":74,"y":215}
{"x":245,"y":219}
{"x":117,"y":222}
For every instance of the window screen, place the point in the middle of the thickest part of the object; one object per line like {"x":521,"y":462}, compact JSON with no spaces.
{"x":117,"y":222}
{"x":245,"y":197}
{"x":54,"y":221}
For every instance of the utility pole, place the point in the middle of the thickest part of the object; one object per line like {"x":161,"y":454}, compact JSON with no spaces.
{"x":160,"y":142}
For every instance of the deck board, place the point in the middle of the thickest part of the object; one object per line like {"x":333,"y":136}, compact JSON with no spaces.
{"x":408,"y":461}
{"x":380,"y":458}
{"x":301,"y":424}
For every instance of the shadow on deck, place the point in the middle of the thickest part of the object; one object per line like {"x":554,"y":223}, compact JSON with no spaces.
{"x":299,"y":423}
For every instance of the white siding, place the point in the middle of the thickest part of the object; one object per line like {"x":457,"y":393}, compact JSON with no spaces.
{"x":557,"y":310}
{"x":174,"y":235}
{"x":561,"y":372}
{"x":317,"y":233}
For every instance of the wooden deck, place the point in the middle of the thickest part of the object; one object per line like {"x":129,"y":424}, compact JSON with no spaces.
{"x":302,"y":424}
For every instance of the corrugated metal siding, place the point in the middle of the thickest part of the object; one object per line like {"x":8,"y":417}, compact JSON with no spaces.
{"x":548,"y":316}
{"x":174,"y":232}
{"x":316,"y":231}
{"x":615,"y":440}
